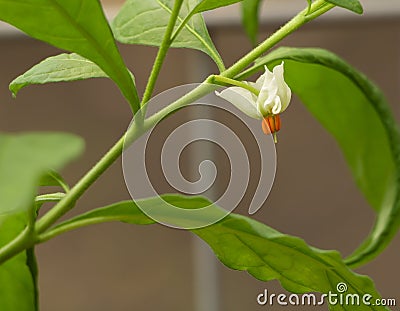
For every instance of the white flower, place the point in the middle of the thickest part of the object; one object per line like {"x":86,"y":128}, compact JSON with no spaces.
{"x":273,"y":98}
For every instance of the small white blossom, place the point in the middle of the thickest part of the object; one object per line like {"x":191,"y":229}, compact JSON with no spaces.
{"x":273,"y":98}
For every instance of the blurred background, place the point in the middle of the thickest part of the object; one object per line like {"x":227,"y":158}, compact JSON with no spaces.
{"x":121,"y":267}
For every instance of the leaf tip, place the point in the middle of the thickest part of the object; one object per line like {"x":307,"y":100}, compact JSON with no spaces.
{"x":358,"y":8}
{"x":14,"y":88}
{"x":13,"y":93}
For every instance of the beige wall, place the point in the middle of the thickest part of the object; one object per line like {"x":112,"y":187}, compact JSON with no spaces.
{"x":121,"y":267}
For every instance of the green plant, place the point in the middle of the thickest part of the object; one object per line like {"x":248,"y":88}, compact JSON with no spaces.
{"x":28,"y":161}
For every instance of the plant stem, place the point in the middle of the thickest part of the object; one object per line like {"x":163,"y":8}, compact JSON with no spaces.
{"x":318,"y":8}
{"x":220,"y":79}
{"x":162,"y":53}
{"x":69,"y":226}
{"x":23,"y":241}
{"x":49,"y":197}
{"x":76,"y":192}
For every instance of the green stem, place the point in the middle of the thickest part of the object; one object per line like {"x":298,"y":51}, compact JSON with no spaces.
{"x":76,"y":192}
{"x":224,"y":80}
{"x":91,"y":176}
{"x":317,"y":9}
{"x":162,"y":53}
{"x":49,"y":197}
{"x":69,"y":226}
{"x":28,"y":238}
{"x":23,"y":241}
{"x":182,"y":25}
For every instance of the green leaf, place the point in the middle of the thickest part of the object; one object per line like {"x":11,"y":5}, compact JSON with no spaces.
{"x":77,"y":26}
{"x":207,"y":5}
{"x":250,"y":17}
{"x":63,"y":67}
{"x":245,"y":244}
{"x":357,"y":115}
{"x":145,"y":22}
{"x":24,"y":159}
{"x":17,"y":276}
{"x":352,"y":5}
{"x":52,"y":178}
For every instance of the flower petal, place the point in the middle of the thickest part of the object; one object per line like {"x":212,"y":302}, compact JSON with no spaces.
{"x":284,"y":92}
{"x":277,"y":108}
{"x":267,"y":75}
{"x":268,"y":93}
{"x":242,"y":99}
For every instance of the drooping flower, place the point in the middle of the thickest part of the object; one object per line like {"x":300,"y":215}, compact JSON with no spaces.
{"x":264,"y":99}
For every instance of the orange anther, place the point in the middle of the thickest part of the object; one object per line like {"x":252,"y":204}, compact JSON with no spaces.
{"x":271,"y":124}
